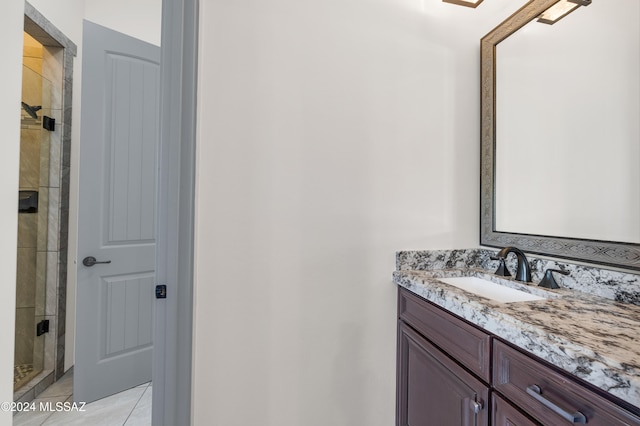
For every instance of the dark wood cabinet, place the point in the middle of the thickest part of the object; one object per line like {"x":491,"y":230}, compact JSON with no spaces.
{"x":504,"y":414}
{"x":469,"y":345}
{"x":550,"y":396}
{"x":444,"y":378}
{"x":433,"y":389}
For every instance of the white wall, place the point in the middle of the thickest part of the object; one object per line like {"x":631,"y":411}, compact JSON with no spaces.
{"x":140,"y":18}
{"x":331,"y":134}
{"x":10,"y":77}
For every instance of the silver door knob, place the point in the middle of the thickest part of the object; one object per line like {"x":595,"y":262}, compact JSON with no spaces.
{"x":90,"y":261}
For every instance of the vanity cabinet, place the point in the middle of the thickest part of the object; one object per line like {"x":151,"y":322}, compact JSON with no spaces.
{"x":432,"y":388}
{"x":451,"y":373}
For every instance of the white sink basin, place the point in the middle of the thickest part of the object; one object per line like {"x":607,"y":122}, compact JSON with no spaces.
{"x":490,"y":290}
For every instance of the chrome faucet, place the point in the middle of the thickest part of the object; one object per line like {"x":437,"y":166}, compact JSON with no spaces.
{"x":523,"y":273}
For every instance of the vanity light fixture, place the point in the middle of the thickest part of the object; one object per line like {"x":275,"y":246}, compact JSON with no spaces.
{"x":468,"y":3}
{"x":560,"y":10}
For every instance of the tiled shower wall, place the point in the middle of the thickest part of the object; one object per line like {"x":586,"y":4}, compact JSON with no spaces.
{"x":57,"y":66}
{"x":52,"y":69}
{"x":58,"y":54}
{"x":32,"y":227}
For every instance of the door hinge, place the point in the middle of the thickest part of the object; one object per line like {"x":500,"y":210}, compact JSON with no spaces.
{"x":161,"y":291}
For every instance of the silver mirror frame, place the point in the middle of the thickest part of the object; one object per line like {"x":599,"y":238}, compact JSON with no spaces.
{"x":617,"y":254}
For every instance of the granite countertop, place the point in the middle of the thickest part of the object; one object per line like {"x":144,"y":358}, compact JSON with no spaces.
{"x":587,"y":335}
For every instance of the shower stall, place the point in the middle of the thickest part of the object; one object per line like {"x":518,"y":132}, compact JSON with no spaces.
{"x":41,"y":247}
{"x":32,"y":222}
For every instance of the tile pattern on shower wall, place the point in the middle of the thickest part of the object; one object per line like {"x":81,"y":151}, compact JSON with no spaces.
{"x":54,"y":61}
{"x":27,"y":265}
{"x":24,"y":335}
{"x":56,"y":66}
{"x":51,"y":301}
{"x":55,"y":160}
{"x":45,"y":148}
{"x":30,"y":159}
{"x":28,"y":230}
{"x":53,"y":218}
{"x":32,"y":50}
{"x":37,"y":276}
{"x":50,"y":341}
{"x":43,"y":218}
{"x":41,"y":277}
{"x":26,"y":278}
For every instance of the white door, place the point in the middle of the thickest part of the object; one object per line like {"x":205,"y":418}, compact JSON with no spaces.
{"x":117,"y":213}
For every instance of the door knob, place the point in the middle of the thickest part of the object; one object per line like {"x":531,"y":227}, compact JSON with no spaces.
{"x":90,"y":261}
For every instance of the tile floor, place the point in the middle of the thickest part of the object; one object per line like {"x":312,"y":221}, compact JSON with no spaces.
{"x":129,"y":408}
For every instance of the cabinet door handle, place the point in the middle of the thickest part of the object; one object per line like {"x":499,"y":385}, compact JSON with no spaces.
{"x":536,"y":393}
{"x":476,"y":407}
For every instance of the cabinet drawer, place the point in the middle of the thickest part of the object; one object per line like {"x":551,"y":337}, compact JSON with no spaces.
{"x":433,"y":389}
{"x":504,"y":414}
{"x":549,"y":396}
{"x":467,"y":344}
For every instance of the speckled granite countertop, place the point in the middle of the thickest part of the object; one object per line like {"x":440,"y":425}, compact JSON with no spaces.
{"x":590,"y":336}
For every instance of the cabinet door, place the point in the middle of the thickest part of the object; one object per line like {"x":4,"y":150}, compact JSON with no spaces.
{"x":504,"y":414}
{"x":432,"y":389}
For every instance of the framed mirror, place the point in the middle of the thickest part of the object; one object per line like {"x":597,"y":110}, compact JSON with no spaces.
{"x":560,"y":134}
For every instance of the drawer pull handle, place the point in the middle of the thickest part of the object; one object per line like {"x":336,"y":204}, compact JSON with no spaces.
{"x":536,"y":393}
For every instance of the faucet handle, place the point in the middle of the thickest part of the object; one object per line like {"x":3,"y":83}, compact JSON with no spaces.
{"x":548,"y":281}
{"x":502,"y":270}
